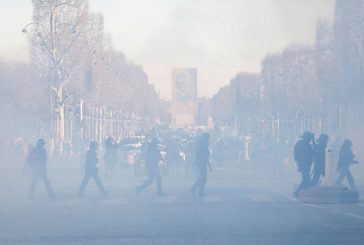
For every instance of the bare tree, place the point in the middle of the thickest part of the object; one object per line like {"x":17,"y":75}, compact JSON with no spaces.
{"x":75,"y":59}
{"x":121,"y":84}
{"x":58,"y":45}
{"x":349,"y":49}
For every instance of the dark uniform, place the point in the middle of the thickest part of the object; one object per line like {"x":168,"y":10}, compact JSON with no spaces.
{"x":202,"y":163}
{"x":303,"y":155}
{"x":91,"y":170}
{"x":319,"y":159}
{"x":152,"y":158}
{"x":345,"y":160}
{"x":37,"y":160}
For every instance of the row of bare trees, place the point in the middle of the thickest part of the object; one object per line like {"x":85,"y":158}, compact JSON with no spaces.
{"x":318,"y":87}
{"x":72,"y":59}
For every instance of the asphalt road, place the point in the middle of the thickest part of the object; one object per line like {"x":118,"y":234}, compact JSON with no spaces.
{"x":241,"y":208}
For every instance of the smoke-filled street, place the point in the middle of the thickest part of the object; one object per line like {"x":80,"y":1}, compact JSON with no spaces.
{"x":241,"y":208}
{"x":203,"y":122}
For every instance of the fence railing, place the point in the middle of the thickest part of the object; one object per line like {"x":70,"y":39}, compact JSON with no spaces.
{"x":83,"y":121}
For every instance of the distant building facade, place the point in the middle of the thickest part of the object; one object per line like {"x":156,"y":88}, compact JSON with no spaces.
{"x":184,"y":97}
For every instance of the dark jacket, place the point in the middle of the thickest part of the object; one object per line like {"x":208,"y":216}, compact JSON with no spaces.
{"x":346,"y":158}
{"x":202,"y":156}
{"x":303,"y":154}
{"x":91,"y":161}
{"x":37,"y":158}
{"x":152,"y":157}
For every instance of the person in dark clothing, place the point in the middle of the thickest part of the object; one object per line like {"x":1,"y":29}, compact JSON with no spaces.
{"x":91,"y":170}
{"x":202,"y":163}
{"x":37,"y":159}
{"x":303,"y":155}
{"x":319,"y":158}
{"x":152,"y":159}
{"x":346,"y":158}
{"x":110,"y":156}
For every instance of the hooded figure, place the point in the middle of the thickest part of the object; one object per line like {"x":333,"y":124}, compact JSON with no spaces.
{"x":346,"y":158}
{"x":37,"y":159}
{"x":303,"y":155}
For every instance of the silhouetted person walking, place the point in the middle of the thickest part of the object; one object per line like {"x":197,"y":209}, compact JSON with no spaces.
{"x":202,"y":162}
{"x":319,"y":158}
{"x":346,"y":158}
{"x":303,"y":155}
{"x":37,"y":160}
{"x":152,"y":158}
{"x":91,"y":170}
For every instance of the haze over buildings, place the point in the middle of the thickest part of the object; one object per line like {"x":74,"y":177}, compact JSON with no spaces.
{"x":220,"y":38}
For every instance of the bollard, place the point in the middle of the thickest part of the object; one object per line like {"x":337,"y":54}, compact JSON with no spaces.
{"x":246,"y":150}
{"x":327,"y":181}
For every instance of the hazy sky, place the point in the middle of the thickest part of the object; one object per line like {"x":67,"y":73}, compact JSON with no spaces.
{"x":219,"y":37}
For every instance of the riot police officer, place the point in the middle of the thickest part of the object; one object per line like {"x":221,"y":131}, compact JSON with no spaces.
{"x":37,"y":159}
{"x":91,"y":170}
{"x":346,"y":158}
{"x":303,"y":155}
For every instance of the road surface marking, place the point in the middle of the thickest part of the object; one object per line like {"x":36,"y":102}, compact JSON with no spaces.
{"x":313,"y":205}
{"x":354,"y":216}
{"x":349,"y":214}
{"x":212,"y":199}
{"x":336,"y":211}
{"x":114,"y":201}
{"x":259,"y":198}
{"x":292,"y":199}
{"x":164,"y":200}
{"x":68,"y":203}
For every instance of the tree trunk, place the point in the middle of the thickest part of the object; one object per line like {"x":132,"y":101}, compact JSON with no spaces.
{"x":60,"y":119}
